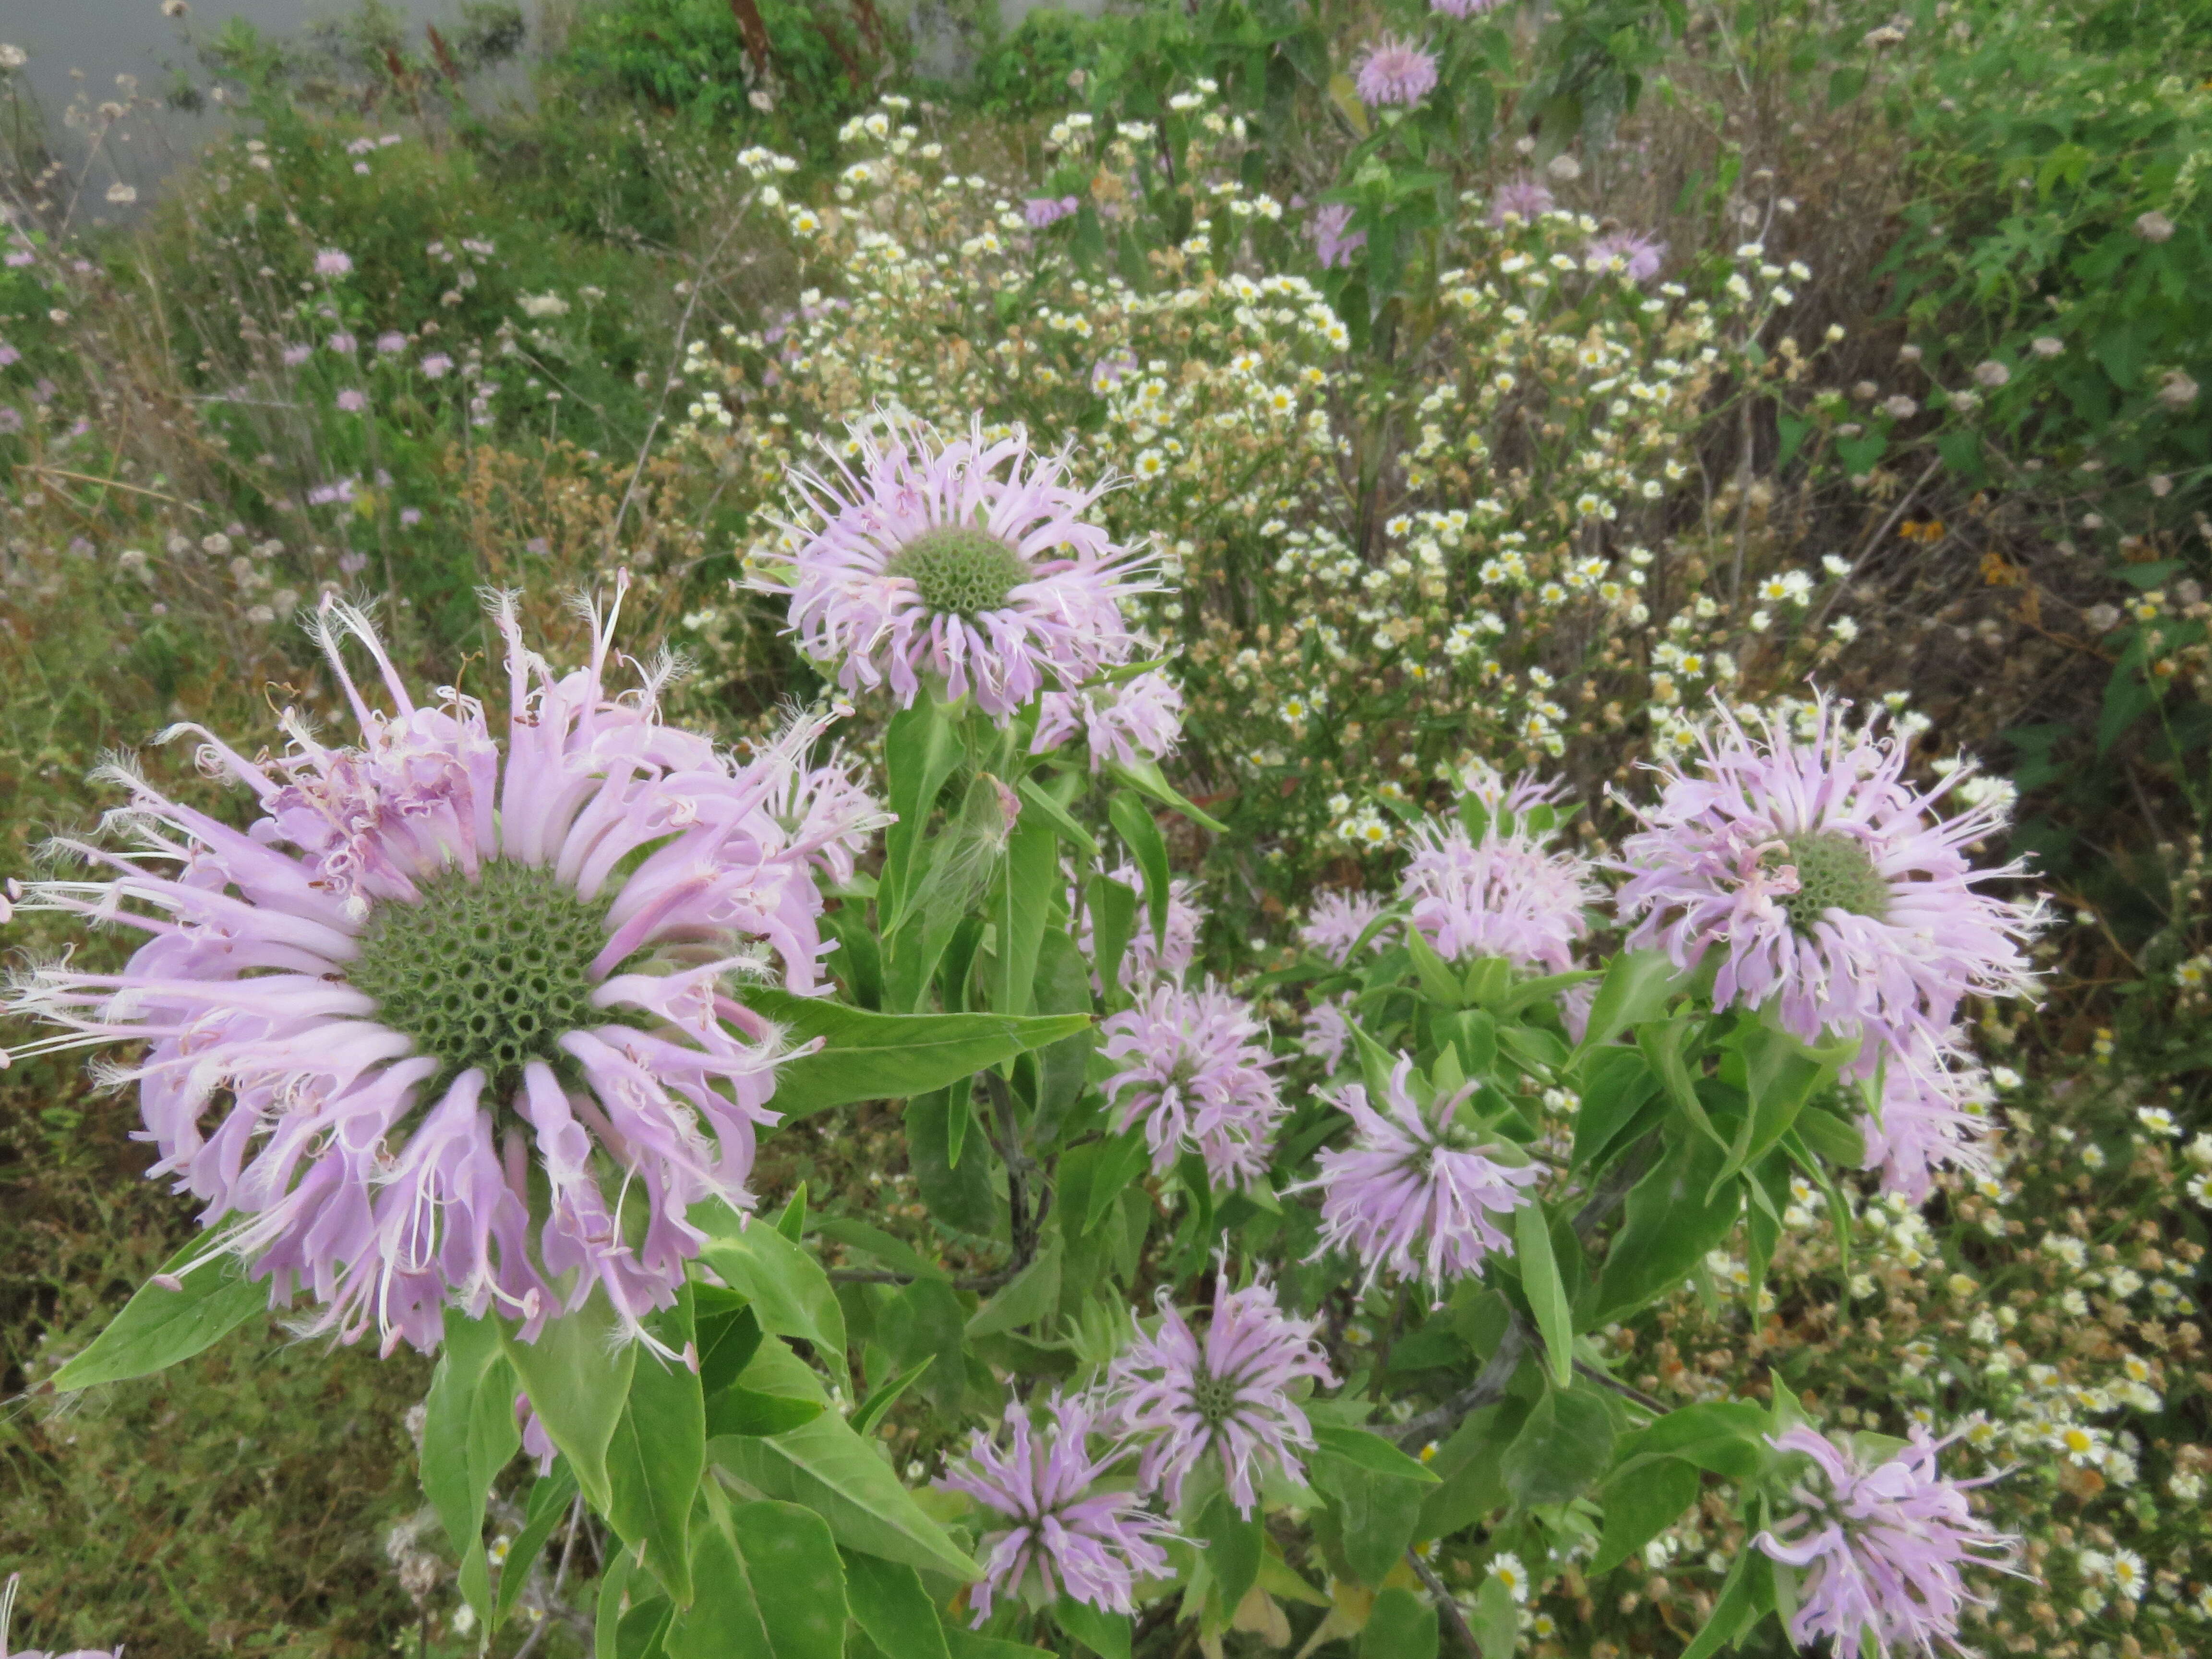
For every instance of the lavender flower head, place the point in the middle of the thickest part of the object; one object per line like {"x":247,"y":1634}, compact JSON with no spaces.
{"x":1336,"y":922}
{"x":1394,"y":72}
{"x":1331,"y":244}
{"x":1834,"y":889}
{"x":1228,"y":1396}
{"x":448,"y":1023}
{"x":1634,"y":256}
{"x":1092,"y":1545}
{"x":967,"y":562}
{"x":1524,"y":200}
{"x":1327,"y":1030}
{"x":1881,"y":1547}
{"x":1147,"y":957}
{"x":1131,"y":724}
{"x":333,"y":262}
{"x":1505,"y":893}
{"x":1934,"y":1115}
{"x":1040,"y":211}
{"x":1416,"y":1194}
{"x":1195,"y":1073}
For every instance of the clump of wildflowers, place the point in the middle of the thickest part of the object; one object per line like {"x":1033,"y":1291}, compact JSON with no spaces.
{"x":969,"y":562}
{"x":1394,"y":72}
{"x":1229,"y":1396}
{"x":458,"y":1014}
{"x":1881,"y":1547}
{"x":1337,"y":923}
{"x":1194,"y":1072}
{"x":1068,"y":1533}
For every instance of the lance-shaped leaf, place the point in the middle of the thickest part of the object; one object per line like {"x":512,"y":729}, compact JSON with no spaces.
{"x":161,"y":1325}
{"x":577,"y":1375}
{"x":469,"y":1434}
{"x":870,"y":1056}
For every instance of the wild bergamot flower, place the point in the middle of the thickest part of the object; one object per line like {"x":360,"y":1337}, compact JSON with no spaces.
{"x":969,"y":562}
{"x":1833,"y":888}
{"x":446,"y":1025}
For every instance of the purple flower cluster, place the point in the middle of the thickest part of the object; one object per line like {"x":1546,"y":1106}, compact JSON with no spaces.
{"x":1933,"y":1114}
{"x":449,"y":1013}
{"x":1194,"y":1071}
{"x":1331,"y":244}
{"x":1830,"y":886}
{"x":1636,"y":258}
{"x":1091,"y":1544}
{"x":1881,"y":1547}
{"x":1394,"y":72}
{"x":1147,"y":957}
{"x":1228,"y":1396}
{"x":968,"y":563}
{"x":1336,"y":923}
{"x":1042,"y":211}
{"x":1507,"y":894}
{"x":1136,"y":721}
{"x":1416,"y":1194}
{"x":1524,"y":200}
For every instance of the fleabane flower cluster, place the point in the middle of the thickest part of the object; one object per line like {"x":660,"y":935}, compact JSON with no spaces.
{"x":1881,"y":1545}
{"x":1504,"y":891}
{"x":1833,"y":889}
{"x":451,"y":1023}
{"x":1229,"y":1395}
{"x":1417,"y":1195}
{"x":1196,"y":1072}
{"x":967,"y":562}
{"x":1068,"y":1534}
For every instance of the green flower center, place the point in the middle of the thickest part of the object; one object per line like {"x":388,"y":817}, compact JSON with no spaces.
{"x":965,"y":572}
{"x":1215,"y":1398}
{"x":488,"y":973}
{"x":1834,"y":873}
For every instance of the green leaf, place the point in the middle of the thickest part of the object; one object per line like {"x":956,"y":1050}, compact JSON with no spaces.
{"x":894,"y":1253}
{"x":1363,"y":1449}
{"x":607,"y":1621}
{"x":728,"y":1337}
{"x":1616,"y":1083}
{"x":1234,"y":1544}
{"x":872,"y":1408}
{"x":871,"y":1056}
{"x":1497,"y":1621}
{"x":1037,"y":800}
{"x":1661,"y":1046}
{"x":1673,"y":1217}
{"x":1780,"y":1075}
{"x":889,"y":1604}
{"x":577,"y":1375}
{"x":1379,"y":1514}
{"x":550,"y":1502}
{"x":1148,"y":779}
{"x":961,"y":1196}
{"x":1438,"y":984}
{"x":773,"y":1587}
{"x":1734,"y":1613}
{"x":1112,"y":907}
{"x":920,"y":749}
{"x":1564,"y":1445}
{"x":1032,"y":1296}
{"x":1637,"y":987}
{"x":1641,"y":1504}
{"x":747,"y":1411}
{"x":158,"y":1327}
{"x":1140,"y":834}
{"x":658,"y":1455}
{"x":1108,"y":1635}
{"x":1839,"y":1143}
{"x":1547,"y":1296}
{"x":468,"y":1434}
{"x":1726,"y":1437}
{"x":825,"y":1466}
{"x":1028,"y":889}
{"x":965,"y":1644}
{"x":789,"y":1294}
{"x":1471,"y":1465}
{"x":1092,"y":1178}
{"x":1401,"y":1627}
